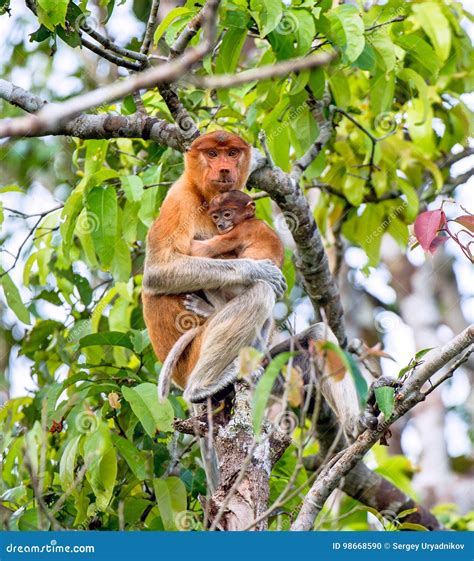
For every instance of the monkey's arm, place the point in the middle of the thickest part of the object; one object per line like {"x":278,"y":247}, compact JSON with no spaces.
{"x":218,"y":245}
{"x":189,"y":274}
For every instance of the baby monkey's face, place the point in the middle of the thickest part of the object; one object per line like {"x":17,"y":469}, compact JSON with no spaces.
{"x":224,"y":219}
{"x":229,"y":209}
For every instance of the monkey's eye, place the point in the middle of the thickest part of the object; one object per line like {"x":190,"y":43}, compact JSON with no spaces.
{"x":227,"y":214}
{"x":233,"y":153}
{"x":212,"y":153}
{"x":215,"y":217}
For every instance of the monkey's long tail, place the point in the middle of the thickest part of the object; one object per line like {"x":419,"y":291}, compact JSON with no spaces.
{"x":164,"y":381}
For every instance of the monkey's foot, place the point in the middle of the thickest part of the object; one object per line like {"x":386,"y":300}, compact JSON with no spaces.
{"x":193,"y":303}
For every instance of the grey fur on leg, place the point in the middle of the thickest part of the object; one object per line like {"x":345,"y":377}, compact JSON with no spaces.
{"x":226,"y":333}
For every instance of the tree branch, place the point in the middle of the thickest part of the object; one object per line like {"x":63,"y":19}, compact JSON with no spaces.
{"x":96,"y":126}
{"x":50,"y":116}
{"x":283,"y":68}
{"x":150,"y":28}
{"x":407,"y":398}
{"x":103,"y":53}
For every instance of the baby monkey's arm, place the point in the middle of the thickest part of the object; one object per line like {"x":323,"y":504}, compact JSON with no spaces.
{"x":218,"y":245}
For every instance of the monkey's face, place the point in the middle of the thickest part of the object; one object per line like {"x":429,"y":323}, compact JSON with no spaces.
{"x":221,"y":160}
{"x":223,"y":218}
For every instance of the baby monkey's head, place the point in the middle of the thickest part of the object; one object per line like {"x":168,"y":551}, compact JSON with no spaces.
{"x":229,"y":209}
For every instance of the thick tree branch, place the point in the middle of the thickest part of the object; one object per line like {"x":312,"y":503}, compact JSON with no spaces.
{"x":97,"y":126}
{"x":407,"y":398}
{"x":245,"y":465}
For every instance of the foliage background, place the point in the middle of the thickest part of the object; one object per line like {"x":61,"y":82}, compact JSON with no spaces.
{"x":71,"y":309}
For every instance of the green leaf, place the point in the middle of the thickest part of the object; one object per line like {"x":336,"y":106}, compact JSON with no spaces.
{"x":172,"y":502}
{"x":381,"y":92}
{"x":101,"y":458}
{"x":121,"y":267}
{"x":229,"y":51}
{"x":412,"y":526}
{"x":153,"y":414}
{"x":133,"y":187}
{"x":264,"y":389}
{"x":304,"y":29}
{"x":52,"y":12}
{"x":68,"y":463}
{"x":412,"y":206}
{"x":384,"y":52}
{"x":140,"y":340}
{"x":413,"y":79}
{"x":347,"y":31}
{"x":436,"y":26}
{"x":137,"y":460}
{"x":102,"y":212}
{"x":12,"y":296}
{"x":267,"y":14}
{"x":168,"y":19}
{"x":421,"y":53}
{"x":385,"y":398}
{"x":420,"y":126}
{"x":359,"y":380}
{"x":115,"y":338}
{"x":421,"y":354}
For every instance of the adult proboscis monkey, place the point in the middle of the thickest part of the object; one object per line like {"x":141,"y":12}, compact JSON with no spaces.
{"x":215,"y":163}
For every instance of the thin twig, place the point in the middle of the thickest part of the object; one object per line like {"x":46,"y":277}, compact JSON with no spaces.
{"x":150,"y":28}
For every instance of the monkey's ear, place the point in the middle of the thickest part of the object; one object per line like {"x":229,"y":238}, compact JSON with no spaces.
{"x":251,"y":205}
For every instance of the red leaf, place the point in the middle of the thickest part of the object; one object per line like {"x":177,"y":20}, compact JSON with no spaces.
{"x":466,"y":220}
{"x":427,"y":225}
{"x":438,"y":241}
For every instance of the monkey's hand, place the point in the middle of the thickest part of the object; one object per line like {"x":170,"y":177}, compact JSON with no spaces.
{"x":267,"y":271}
{"x":198,"y":306}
